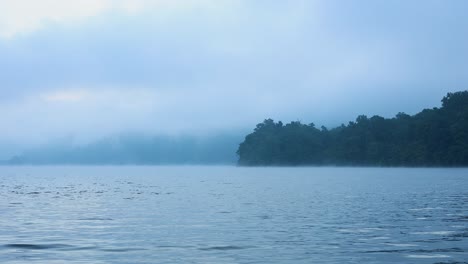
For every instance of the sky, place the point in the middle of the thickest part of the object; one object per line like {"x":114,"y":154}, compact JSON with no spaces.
{"x":87,"y":69}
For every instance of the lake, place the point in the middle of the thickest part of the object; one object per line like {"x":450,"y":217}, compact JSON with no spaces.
{"x":198,"y":214}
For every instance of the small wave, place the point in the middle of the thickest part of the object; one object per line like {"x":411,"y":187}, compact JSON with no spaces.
{"x":425,"y":256}
{"x":95,"y":219}
{"x":386,"y":251}
{"x":37,"y":246}
{"x":437,"y":233}
{"x":374,"y":238}
{"x":402,"y":245}
{"x":420,"y":251}
{"x":426,"y":209}
{"x":121,"y":249}
{"x":360,"y":230}
{"x":223,"y":248}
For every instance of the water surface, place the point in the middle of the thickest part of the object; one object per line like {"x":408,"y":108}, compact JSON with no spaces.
{"x":233,"y":215}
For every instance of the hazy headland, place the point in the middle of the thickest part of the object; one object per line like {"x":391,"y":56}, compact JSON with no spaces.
{"x":431,"y":138}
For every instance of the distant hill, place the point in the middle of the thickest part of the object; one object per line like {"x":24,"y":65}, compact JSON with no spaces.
{"x":137,"y":149}
{"x":433,"y":137}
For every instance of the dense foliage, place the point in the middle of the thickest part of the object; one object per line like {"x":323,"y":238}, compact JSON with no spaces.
{"x":433,"y":137}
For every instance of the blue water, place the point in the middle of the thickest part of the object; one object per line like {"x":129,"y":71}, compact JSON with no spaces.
{"x":232,"y":215}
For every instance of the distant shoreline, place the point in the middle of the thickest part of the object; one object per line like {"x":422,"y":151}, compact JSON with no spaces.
{"x":436,"y":137}
{"x":233,"y":165}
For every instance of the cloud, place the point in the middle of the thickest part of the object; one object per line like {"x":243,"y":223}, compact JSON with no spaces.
{"x":65,"y":96}
{"x":89,"y":114}
{"x":20,"y":17}
{"x":84,"y":114}
{"x":172,"y":66}
{"x":23,"y":16}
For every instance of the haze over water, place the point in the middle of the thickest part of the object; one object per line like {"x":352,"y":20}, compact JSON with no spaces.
{"x":252,"y":83}
{"x":228,"y":214}
{"x":79,"y":72}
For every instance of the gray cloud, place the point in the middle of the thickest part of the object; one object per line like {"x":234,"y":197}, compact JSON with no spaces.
{"x":200,"y":70}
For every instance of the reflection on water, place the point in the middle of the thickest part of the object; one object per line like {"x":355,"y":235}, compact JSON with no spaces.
{"x":232,"y":215}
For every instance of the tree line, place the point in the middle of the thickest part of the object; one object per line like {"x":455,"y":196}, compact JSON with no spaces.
{"x":433,"y":137}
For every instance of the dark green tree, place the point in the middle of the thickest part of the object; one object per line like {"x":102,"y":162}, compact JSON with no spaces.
{"x":433,"y":137}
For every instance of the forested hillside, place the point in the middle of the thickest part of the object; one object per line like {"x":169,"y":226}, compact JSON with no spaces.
{"x":433,"y":137}
{"x":138,"y":150}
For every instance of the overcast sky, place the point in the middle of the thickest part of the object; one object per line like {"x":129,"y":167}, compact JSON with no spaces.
{"x":91,"y":68}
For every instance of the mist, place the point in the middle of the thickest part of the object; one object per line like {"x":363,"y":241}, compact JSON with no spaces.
{"x":87,"y":72}
{"x":135,"y":149}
